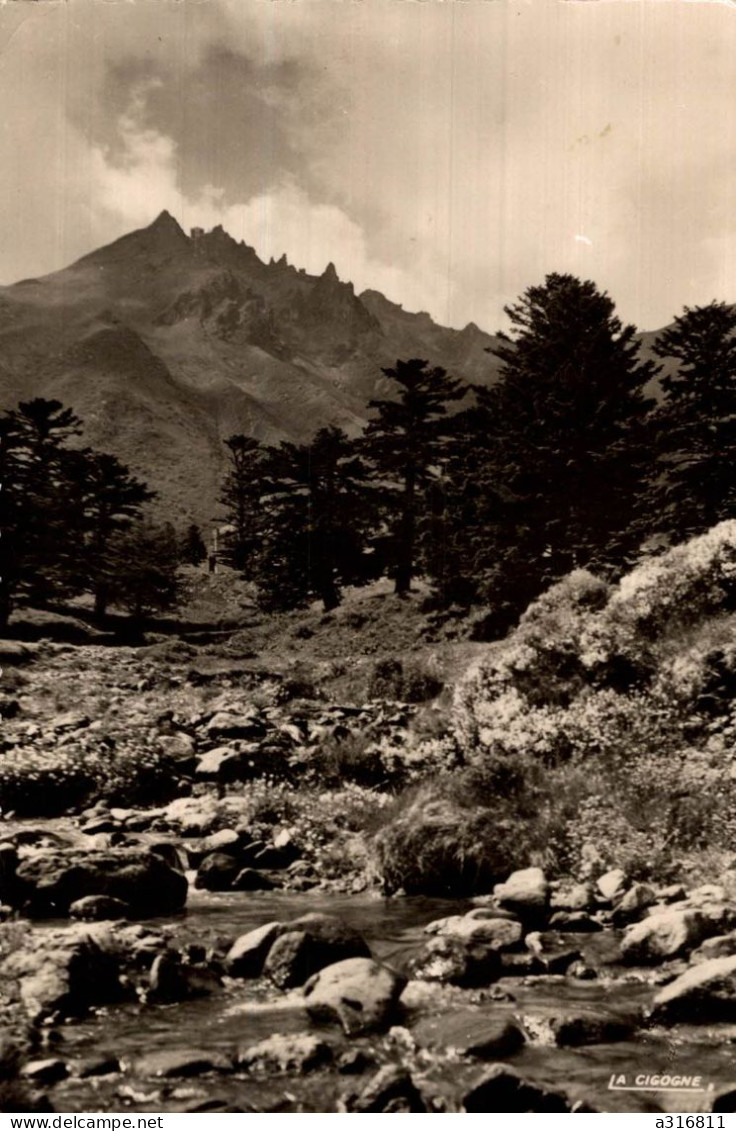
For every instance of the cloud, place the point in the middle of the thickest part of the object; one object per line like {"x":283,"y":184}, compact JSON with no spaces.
{"x":142,"y":179}
{"x":448,"y":154}
{"x":138,"y":176}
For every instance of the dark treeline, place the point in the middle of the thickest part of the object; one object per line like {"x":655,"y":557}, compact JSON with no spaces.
{"x":72,"y":521}
{"x":569,"y":460}
{"x":582,"y":454}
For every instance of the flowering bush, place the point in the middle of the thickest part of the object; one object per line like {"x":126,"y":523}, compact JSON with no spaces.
{"x":624,"y":695}
{"x":327,"y":824}
{"x":46,"y":783}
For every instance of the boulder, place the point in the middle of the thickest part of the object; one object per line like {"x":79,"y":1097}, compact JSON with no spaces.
{"x":525,"y":892}
{"x":217,"y":872}
{"x":707,"y":893}
{"x":520,"y":964}
{"x":471,"y":1032}
{"x":101,"y":1065}
{"x":45,"y":1072}
{"x":390,"y":1090}
{"x":720,"y":917}
{"x":719,"y":946}
{"x":172,"y":979}
{"x":671,"y":893}
{"x":486,"y":909}
{"x":704,"y":994}
{"x":13,"y":652}
{"x":362,"y":995}
{"x":228,"y":724}
{"x":457,"y":962}
{"x":141,"y":945}
{"x":633,"y":904}
{"x":553,"y":950}
{"x":63,"y":972}
{"x":499,"y":934}
{"x":270,"y":855}
{"x":250,"y":879}
{"x":286,"y":1052}
{"x":9,"y":893}
{"x":181,"y":1062}
{"x":96,"y":907}
{"x":103,"y":823}
{"x":248,"y":953}
{"x":49,"y":882}
{"x":224,"y":840}
{"x":575,"y":897}
{"x":311,"y":943}
{"x":193,"y":816}
{"x":574,"y":922}
{"x":220,"y":764}
{"x":725,"y":1100}
{"x":575,"y":1029}
{"x":612,"y":884}
{"x":170,"y":853}
{"x":668,"y":934}
{"x":501,"y":1088}
{"x":179,"y":745}
{"x":441,"y":848}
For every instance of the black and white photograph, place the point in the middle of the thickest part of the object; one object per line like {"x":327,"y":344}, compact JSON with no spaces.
{"x":367,"y":559}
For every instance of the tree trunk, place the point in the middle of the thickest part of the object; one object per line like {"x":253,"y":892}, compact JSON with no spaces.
{"x":405,"y":563}
{"x":330,"y":596}
{"x":101,"y":601}
{"x":6,"y":606}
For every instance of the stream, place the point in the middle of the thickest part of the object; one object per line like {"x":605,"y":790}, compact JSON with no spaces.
{"x":245,"y":1012}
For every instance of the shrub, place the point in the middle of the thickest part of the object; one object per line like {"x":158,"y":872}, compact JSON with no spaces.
{"x":411,"y":682}
{"x":36,"y":783}
{"x":458,"y":834}
{"x":355,"y":758}
{"x":623,"y":696}
{"x":584,"y":653}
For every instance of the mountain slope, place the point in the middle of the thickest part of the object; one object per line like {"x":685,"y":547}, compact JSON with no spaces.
{"x":166,"y":344}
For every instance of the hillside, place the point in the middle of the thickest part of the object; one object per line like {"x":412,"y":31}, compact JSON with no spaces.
{"x":165,"y":344}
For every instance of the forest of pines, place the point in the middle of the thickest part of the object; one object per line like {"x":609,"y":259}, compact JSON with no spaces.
{"x":583,"y":454}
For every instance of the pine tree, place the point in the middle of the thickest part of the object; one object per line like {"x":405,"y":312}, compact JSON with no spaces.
{"x":12,"y":513}
{"x":241,"y":498}
{"x":144,"y":562}
{"x":194,"y":550}
{"x":42,"y":516}
{"x":407,"y":441}
{"x":112,"y":500}
{"x":551,"y":463}
{"x":695,"y":428}
{"x":60,"y":506}
{"x":317,"y":510}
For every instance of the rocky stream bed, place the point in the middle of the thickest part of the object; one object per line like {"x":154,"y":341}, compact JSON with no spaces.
{"x":130,"y":984}
{"x":200,"y":951}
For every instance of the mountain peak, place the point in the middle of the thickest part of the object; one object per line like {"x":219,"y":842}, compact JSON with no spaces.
{"x":166,"y":222}
{"x":330,"y":272}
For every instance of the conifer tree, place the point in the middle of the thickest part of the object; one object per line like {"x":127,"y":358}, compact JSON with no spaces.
{"x":12,"y":516}
{"x":112,"y":500}
{"x":42,"y":517}
{"x":194,"y":550}
{"x":552,"y":461}
{"x":694,"y":481}
{"x":144,"y":561}
{"x":241,"y":497}
{"x":317,"y":511}
{"x":407,"y":441}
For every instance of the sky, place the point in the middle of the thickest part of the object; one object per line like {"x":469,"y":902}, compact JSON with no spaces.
{"x":449,"y":153}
